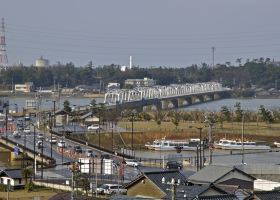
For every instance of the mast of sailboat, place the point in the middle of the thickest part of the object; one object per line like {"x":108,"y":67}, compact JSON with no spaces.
{"x":242,"y":138}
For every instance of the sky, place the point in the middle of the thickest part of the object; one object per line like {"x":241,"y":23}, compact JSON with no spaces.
{"x":173,"y":33}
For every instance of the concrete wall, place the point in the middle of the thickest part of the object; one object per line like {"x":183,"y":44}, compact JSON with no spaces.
{"x":261,"y":184}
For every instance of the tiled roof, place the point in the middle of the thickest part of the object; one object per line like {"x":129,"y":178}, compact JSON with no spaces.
{"x":268,"y":195}
{"x":156,"y":177}
{"x":12,"y":173}
{"x":218,"y":197}
{"x":212,"y":173}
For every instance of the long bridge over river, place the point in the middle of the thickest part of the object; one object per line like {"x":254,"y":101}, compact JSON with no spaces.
{"x":165,"y":97}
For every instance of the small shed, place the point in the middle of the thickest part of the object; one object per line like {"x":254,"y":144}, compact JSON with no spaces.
{"x":12,"y":177}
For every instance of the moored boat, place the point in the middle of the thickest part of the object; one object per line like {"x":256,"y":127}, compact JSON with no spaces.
{"x":238,"y":145}
{"x":163,"y":144}
{"x":277,"y":144}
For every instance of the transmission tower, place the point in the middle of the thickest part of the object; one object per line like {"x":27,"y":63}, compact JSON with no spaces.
{"x":3,"y":52}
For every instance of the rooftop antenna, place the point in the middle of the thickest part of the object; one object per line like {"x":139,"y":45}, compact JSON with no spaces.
{"x":3,"y":52}
{"x":130,"y":62}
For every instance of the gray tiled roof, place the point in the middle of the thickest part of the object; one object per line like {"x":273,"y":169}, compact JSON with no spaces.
{"x":268,"y":195}
{"x":156,"y":177}
{"x":12,"y":173}
{"x":212,"y":173}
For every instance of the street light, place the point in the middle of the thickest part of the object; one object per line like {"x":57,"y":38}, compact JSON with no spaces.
{"x":200,"y":158}
{"x":34,"y":151}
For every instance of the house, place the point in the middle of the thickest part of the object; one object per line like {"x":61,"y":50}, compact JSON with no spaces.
{"x":12,"y":177}
{"x":226,"y":175}
{"x":150,"y":185}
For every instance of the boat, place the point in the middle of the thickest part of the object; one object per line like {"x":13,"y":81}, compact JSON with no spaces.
{"x":237,"y":145}
{"x":277,"y":144}
{"x":163,"y":145}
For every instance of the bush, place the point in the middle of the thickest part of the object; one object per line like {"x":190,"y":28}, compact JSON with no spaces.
{"x":29,"y":186}
{"x":3,"y":188}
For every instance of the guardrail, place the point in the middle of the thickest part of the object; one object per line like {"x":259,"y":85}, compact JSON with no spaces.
{"x":11,"y":144}
{"x":85,"y":143}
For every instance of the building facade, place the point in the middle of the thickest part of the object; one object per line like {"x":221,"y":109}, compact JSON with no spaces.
{"x":26,"y":87}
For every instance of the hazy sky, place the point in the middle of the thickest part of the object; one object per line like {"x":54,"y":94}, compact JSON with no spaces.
{"x":154,"y":32}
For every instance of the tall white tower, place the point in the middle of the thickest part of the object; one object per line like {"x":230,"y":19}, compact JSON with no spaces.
{"x":130,"y":62}
{"x":3,"y":52}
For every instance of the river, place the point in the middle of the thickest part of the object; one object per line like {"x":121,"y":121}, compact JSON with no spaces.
{"x":246,"y":104}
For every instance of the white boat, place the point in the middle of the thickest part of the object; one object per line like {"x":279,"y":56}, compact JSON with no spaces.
{"x":277,"y":144}
{"x":163,"y":145}
{"x":237,"y":145}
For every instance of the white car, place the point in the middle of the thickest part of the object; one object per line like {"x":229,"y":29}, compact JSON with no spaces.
{"x":27,"y":130}
{"x":62,"y":144}
{"x":52,"y":140}
{"x":114,"y":189}
{"x":40,"y":136}
{"x":16,"y":134}
{"x":93,"y":127}
{"x":132,"y":162}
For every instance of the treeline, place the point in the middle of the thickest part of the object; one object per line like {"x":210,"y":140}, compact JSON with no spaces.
{"x":224,"y":115}
{"x":260,"y":72}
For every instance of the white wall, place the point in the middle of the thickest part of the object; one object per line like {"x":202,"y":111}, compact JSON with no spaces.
{"x":261,"y":184}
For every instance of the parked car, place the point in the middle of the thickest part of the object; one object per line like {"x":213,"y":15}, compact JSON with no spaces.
{"x":114,"y":189}
{"x":27,"y":130}
{"x":93,"y":127}
{"x":39,"y":144}
{"x":26,"y":118}
{"x":78,"y":149}
{"x":100,"y":189}
{"x":40,"y":136}
{"x":52,"y":140}
{"x":174,"y":165}
{"x":89,"y":153}
{"x":16,"y":134}
{"x":62,"y":144}
{"x":132,"y":162}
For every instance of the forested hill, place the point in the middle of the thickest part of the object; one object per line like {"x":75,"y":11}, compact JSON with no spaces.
{"x":260,"y":73}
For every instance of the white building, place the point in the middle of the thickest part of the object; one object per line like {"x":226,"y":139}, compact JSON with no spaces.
{"x":26,"y":87}
{"x":145,"y":82}
{"x":41,"y":62}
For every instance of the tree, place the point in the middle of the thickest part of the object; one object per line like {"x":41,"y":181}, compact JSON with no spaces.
{"x":159,"y":116}
{"x":225,"y":113}
{"x":266,"y":115}
{"x":27,"y":174}
{"x":176,"y":119}
{"x":238,"y":111}
{"x":66,"y":106}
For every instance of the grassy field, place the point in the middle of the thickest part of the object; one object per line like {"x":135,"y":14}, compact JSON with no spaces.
{"x":149,"y":131}
{"x":24,"y":195}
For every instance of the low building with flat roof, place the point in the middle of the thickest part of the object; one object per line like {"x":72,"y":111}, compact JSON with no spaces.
{"x":145,"y":82}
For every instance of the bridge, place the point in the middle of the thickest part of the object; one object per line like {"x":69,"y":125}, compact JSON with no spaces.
{"x":164,"y":97}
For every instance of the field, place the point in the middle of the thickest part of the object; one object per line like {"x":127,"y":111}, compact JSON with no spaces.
{"x":148,"y":131}
{"x":24,"y":195}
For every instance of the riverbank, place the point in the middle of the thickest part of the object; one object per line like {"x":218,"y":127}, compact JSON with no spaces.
{"x":50,"y":95}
